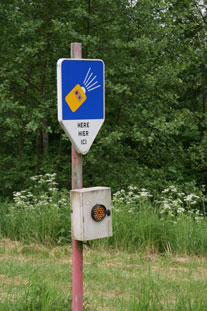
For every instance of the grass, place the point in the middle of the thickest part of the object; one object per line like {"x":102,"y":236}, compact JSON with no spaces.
{"x":173,"y":221}
{"x":132,"y":231}
{"x":145,"y":229}
{"x":43,"y":224}
{"x":38,"y":278}
{"x":156,"y":259}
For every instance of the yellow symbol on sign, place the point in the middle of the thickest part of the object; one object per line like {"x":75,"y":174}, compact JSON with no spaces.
{"x":76,"y":97}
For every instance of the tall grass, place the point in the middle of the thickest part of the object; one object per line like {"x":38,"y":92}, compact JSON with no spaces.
{"x":39,"y":214}
{"x":43,"y":225}
{"x":175,"y":222}
{"x":139,"y":224}
{"x":147,"y":231}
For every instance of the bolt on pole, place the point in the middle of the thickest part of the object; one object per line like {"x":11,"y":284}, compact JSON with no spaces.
{"x":77,"y":246}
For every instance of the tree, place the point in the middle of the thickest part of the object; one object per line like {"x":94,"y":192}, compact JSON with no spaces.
{"x":155,"y":59}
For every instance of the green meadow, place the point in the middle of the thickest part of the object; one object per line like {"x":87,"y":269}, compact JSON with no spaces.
{"x":36,"y":277}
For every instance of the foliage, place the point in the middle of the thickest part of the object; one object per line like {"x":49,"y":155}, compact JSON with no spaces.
{"x":155,"y":133}
{"x":171,"y":202}
{"x":175,"y":204}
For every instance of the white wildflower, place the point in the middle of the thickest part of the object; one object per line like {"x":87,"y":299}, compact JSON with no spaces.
{"x":23,"y":197}
{"x":166,"y":206}
{"x":53,"y":189}
{"x":30,"y":195}
{"x":180,"y":210}
{"x":165,"y":190}
{"x":132,"y":188}
{"x":173,"y":188}
{"x":191,"y":196}
{"x":143,"y":194}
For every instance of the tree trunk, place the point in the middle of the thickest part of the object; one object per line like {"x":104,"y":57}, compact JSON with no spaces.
{"x":20,"y":152}
{"x":45,"y":142}
{"x":38,"y":150}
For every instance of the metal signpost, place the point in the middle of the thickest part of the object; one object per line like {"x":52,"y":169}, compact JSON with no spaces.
{"x":81,"y":113}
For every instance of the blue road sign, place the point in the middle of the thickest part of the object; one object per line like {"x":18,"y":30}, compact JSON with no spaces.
{"x":82,"y":89}
{"x":81,"y":102}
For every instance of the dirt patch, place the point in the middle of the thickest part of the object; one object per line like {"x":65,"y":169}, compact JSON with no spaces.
{"x":181,"y":259}
{"x":17,"y":281}
{"x":8,"y":243}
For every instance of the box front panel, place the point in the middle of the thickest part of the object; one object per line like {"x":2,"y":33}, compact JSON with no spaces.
{"x":94,"y":226}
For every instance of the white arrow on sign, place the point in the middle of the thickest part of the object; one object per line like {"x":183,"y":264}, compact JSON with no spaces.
{"x":81,"y":100}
